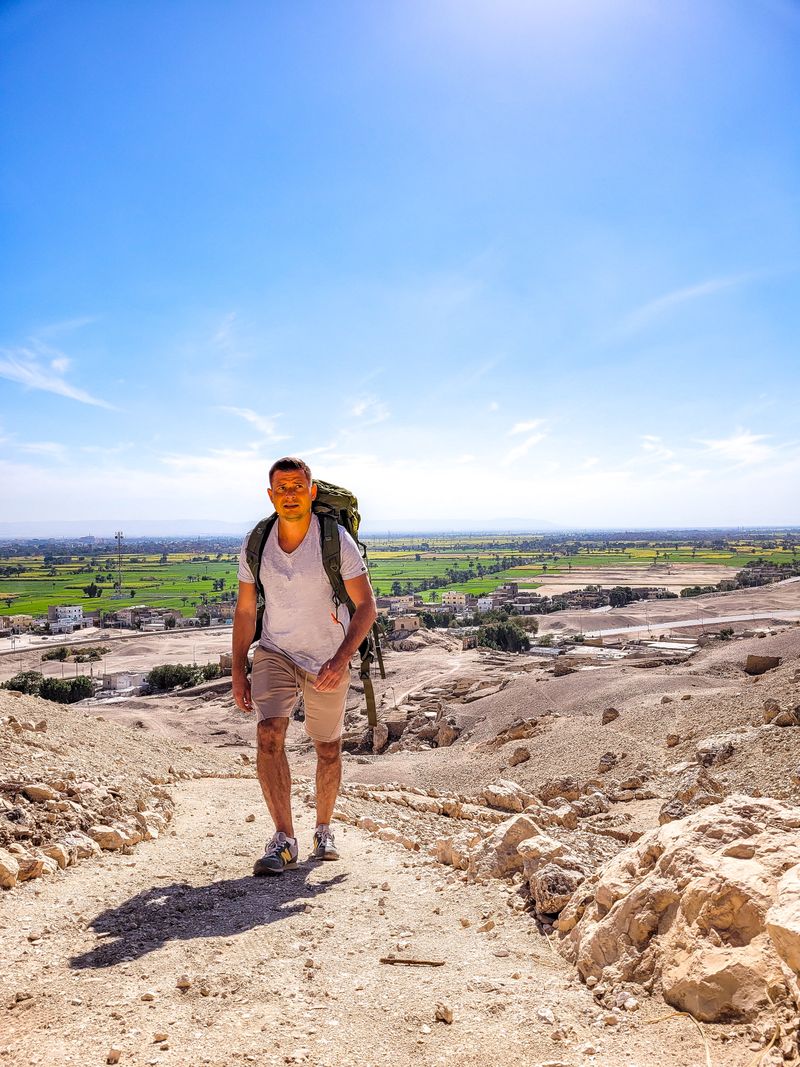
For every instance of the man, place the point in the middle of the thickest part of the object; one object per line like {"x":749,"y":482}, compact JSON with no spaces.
{"x":305,"y":649}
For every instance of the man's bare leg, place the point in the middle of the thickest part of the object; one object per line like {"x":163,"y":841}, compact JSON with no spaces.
{"x":329,"y":778}
{"x":273,"y":772}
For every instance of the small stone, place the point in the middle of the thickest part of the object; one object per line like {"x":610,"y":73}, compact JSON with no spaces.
{"x":184,"y":982}
{"x":609,"y":1019}
{"x":666,"y":700}
{"x":149,"y":995}
{"x":546,"y":1015}
{"x":485,"y":927}
{"x":329,"y":924}
{"x":686,"y":696}
{"x":114,"y":1054}
{"x":464,"y":921}
{"x":425,"y":1029}
{"x":631,"y":1004}
{"x":159,"y":1036}
{"x":444,"y":1013}
{"x":250,"y":818}
{"x":591,"y":981}
{"x":609,"y":715}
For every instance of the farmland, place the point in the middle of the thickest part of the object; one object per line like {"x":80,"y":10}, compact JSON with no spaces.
{"x":31,"y":579}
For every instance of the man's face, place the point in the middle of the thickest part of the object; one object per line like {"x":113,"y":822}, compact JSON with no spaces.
{"x":291,"y":494}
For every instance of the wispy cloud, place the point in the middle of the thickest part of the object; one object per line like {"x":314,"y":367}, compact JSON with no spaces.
{"x":265,"y":424}
{"x":643,"y":315}
{"x":655,"y":447}
{"x":369,"y":410}
{"x":493,"y":406}
{"x":522,"y":448}
{"x":741,"y":448}
{"x":524,"y":427}
{"x":53,"y":329}
{"x":40,"y":367}
{"x":51,"y":449}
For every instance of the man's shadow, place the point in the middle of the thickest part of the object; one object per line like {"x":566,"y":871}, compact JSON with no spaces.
{"x":182,"y":912}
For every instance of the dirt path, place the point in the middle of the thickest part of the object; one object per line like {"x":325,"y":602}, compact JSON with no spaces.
{"x":287,"y":969}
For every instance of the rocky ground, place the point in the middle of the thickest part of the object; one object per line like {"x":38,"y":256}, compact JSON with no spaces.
{"x":576,"y":851}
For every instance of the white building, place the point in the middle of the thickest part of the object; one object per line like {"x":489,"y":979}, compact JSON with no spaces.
{"x":64,"y":618}
{"x":485,"y":603}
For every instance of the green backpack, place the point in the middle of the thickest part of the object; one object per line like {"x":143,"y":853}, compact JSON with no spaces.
{"x":333,"y":507}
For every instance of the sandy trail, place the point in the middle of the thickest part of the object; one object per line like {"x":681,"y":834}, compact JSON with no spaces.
{"x":89,"y":944}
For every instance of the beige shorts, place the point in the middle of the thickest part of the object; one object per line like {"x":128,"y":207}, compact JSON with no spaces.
{"x":275,"y":685}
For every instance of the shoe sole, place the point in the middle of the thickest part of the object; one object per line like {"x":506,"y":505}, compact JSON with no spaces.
{"x":325,"y":856}
{"x":266,"y":872}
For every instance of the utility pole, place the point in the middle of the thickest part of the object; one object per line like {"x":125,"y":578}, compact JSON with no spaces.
{"x":118,"y":583}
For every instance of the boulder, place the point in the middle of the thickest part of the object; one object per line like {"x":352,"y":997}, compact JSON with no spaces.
{"x":9,"y":870}
{"x":696,"y":789}
{"x":713,"y":750}
{"x":552,"y":887}
{"x":505,"y":795}
{"x":456,"y":849}
{"x":38,"y":792}
{"x":380,"y":737}
{"x":756,"y":665}
{"x":448,"y":733}
{"x":566,"y":788}
{"x":609,"y":715}
{"x":498,"y":855}
{"x":608,"y":762}
{"x":704,"y":907}
{"x":521,"y":754}
{"x":80,"y":845}
{"x":107,"y":837}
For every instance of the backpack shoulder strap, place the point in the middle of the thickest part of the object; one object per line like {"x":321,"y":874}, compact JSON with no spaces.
{"x":256,"y":542}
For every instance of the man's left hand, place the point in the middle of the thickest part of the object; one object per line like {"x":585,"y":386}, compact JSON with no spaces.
{"x":331,"y":674}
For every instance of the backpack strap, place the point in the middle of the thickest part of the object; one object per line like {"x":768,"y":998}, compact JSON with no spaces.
{"x":256,"y":542}
{"x":332,"y":562}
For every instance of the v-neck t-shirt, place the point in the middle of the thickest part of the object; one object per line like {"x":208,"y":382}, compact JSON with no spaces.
{"x":300,"y":619}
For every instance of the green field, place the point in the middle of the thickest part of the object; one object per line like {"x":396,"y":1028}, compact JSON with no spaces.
{"x":430,"y":565}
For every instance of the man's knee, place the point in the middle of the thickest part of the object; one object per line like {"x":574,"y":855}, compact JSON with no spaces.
{"x":328,"y":751}
{"x":271,"y":734}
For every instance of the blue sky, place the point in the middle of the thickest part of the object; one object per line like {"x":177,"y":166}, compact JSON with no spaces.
{"x":477,"y":261}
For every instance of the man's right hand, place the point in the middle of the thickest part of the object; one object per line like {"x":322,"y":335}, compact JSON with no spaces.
{"x":241,"y":692}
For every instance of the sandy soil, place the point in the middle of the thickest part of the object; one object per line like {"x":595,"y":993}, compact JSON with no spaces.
{"x":288,"y":970}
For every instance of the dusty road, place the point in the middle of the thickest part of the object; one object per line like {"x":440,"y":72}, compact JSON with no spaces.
{"x":287,"y":970}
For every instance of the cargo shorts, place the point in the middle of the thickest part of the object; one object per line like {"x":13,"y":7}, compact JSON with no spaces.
{"x":275,"y":685}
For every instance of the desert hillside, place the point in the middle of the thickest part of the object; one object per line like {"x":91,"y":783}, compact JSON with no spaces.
{"x":544,"y":859}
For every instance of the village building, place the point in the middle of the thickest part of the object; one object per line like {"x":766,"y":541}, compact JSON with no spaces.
{"x":405,"y":623}
{"x":64,"y":618}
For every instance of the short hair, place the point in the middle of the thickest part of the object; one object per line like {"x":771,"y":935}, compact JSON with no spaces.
{"x":290,"y":463}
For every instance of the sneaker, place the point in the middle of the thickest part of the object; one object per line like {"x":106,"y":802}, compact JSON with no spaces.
{"x":324,"y":847}
{"x":279,"y":853}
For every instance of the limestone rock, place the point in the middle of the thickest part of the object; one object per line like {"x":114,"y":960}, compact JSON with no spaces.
{"x":506,"y":795}
{"x":552,"y":887}
{"x":448,"y":732}
{"x":9,"y":870}
{"x":756,"y":665}
{"x":608,"y":762}
{"x":686,"y":908}
{"x":696,"y":789}
{"x":672,"y":740}
{"x":498,"y":854}
{"x":107,"y":837}
{"x":456,"y":849}
{"x":609,"y":715}
{"x":38,"y":792}
{"x":567,"y":788}
{"x":380,"y":737}
{"x":716,"y":749}
{"x":80,"y":845}
{"x":521,"y":754}
{"x":783,"y":919}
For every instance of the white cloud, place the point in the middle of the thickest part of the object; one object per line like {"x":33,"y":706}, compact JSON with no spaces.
{"x":742,"y":448}
{"x":25,"y":366}
{"x":493,"y":406}
{"x":265,"y":424}
{"x":654,"y":308}
{"x":589,"y":462}
{"x":369,"y":409}
{"x":53,"y":449}
{"x":522,"y":448}
{"x":524,"y":427}
{"x":655,"y":447}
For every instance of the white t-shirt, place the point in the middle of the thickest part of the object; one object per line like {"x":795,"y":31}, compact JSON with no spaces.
{"x":299,"y":618}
